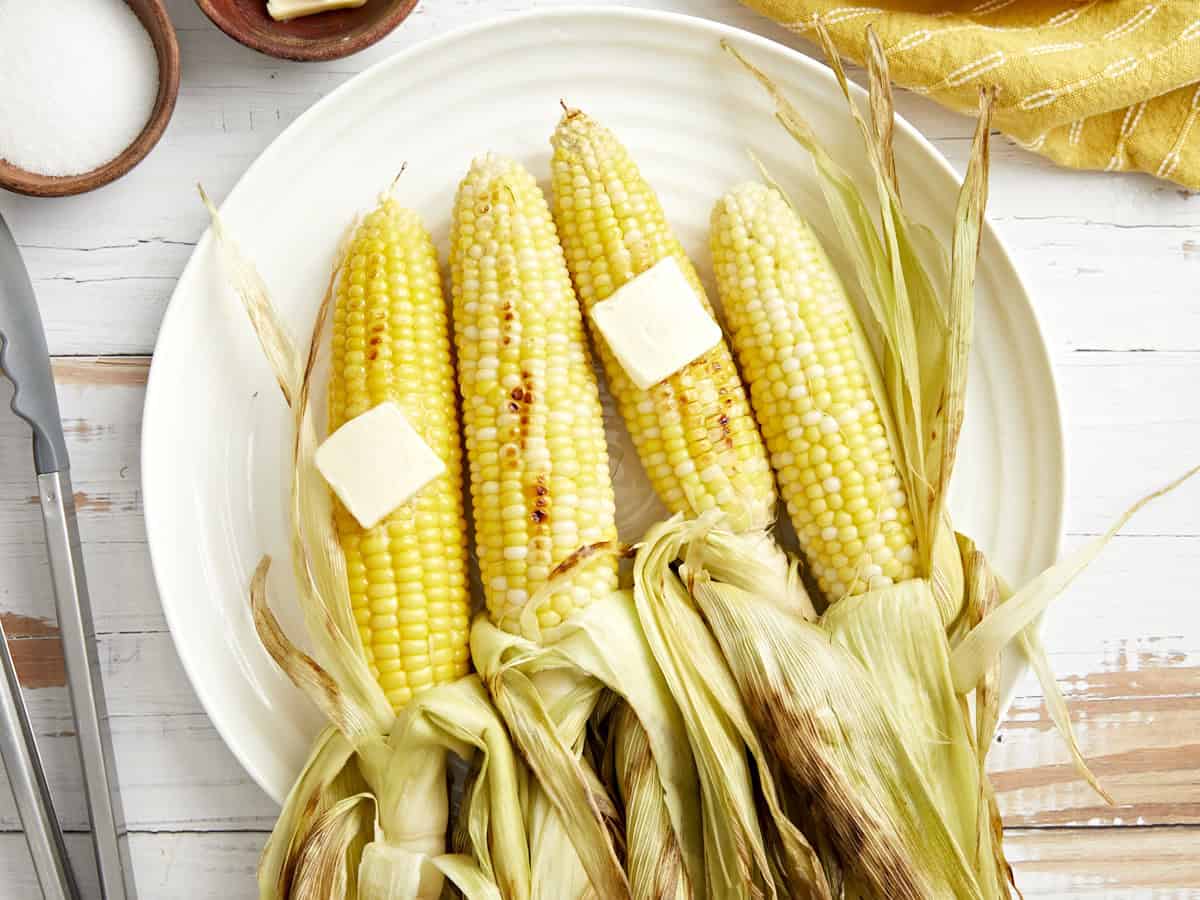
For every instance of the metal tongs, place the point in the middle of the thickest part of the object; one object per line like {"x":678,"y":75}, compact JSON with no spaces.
{"x":26,"y":361}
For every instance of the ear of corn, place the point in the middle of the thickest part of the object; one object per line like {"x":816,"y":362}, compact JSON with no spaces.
{"x":811,"y":382}
{"x":407,"y":575}
{"x":542,"y":498}
{"x":894,"y":631}
{"x":540,"y":482}
{"x":693,"y":432}
{"x":368,"y":815}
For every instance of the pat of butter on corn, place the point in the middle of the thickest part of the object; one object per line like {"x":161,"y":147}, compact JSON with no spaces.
{"x":377,"y":461}
{"x":655,"y":324}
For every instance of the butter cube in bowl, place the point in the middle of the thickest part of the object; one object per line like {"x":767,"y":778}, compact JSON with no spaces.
{"x":307,"y":30}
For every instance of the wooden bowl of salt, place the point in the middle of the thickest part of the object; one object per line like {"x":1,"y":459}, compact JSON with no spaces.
{"x":69,"y":137}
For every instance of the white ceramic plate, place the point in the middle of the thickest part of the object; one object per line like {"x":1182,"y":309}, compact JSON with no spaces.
{"x":215,"y":435}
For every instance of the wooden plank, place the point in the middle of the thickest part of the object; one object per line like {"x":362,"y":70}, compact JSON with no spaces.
{"x":1054,"y":864}
{"x":187,"y":866}
{"x":1137,"y":727}
{"x":175,"y":770}
{"x":175,"y":774}
{"x":1132,"y":423}
{"x":1108,"y":863}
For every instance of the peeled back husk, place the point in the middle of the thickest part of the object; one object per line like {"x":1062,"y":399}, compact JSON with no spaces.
{"x":896,"y":633}
{"x":329,"y":776}
{"x":653,"y":859}
{"x":547,"y":689}
{"x":746,"y":854}
{"x":837,"y":738}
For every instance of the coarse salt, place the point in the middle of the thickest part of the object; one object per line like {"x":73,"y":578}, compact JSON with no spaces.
{"x":78,"y":81}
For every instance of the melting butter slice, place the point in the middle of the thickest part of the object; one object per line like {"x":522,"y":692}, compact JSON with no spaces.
{"x":656,"y":324}
{"x":377,"y":461}
{"x":282,"y":10}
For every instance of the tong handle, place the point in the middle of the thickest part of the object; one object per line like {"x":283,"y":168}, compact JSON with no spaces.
{"x":26,"y":777}
{"x":86,"y":685}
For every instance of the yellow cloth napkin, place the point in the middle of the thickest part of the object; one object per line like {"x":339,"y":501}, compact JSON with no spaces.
{"x":1102,"y":84}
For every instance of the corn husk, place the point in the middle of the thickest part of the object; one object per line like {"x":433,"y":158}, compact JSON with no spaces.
{"x":983,"y":592}
{"x":654,"y":862}
{"x":405,"y":771}
{"x":368,"y":815}
{"x":898,"y":635}
{"x":547,"y":688}
{"x":743,"y":857}
{"x":838,"y":735}
{"x":408,"y":771}
{"x":329,"y":776}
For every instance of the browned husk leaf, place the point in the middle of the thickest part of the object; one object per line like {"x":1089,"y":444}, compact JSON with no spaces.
{"x":828,"y":732}
{"x":653,"y":860}
{"x":274,"y":338}
{"x":328,"y":776}
{"x":326,"y":867}
{"x":302,"y":669}
{"x":981,"y":596}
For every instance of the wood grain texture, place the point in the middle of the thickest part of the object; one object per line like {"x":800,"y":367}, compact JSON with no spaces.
{"x":1111,"y":261}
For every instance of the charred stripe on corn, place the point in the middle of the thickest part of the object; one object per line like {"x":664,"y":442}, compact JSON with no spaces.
{"x":799,"y":350}
{"x":540,"y":483}
{"x":693,"y":432}
{"x":407,"y":575}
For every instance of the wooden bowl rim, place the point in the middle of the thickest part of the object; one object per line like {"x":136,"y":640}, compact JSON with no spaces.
{"x":166,"y":47}
{"x":313,"y":50}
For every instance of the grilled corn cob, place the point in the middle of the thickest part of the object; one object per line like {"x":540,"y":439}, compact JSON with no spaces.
{"x":407,"y":575}
{"x":540,"y":482}
{"x":810,"y":382}
{"x":694,"y":432}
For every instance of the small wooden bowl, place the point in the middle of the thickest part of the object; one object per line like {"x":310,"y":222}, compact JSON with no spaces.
{"x":154,"y":18}
{"x":321,"y":36}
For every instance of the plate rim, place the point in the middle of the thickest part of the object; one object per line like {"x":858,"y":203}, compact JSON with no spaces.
{"x":815,"y":68}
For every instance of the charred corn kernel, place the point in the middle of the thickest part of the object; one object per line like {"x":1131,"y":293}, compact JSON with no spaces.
{"x":810,"y":384}
{"x":536,"y":449}
{"x":391,"y":341}
{"x":694,"y":432}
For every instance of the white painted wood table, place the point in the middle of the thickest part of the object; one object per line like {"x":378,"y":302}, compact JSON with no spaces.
{"x":1113,"y":263}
